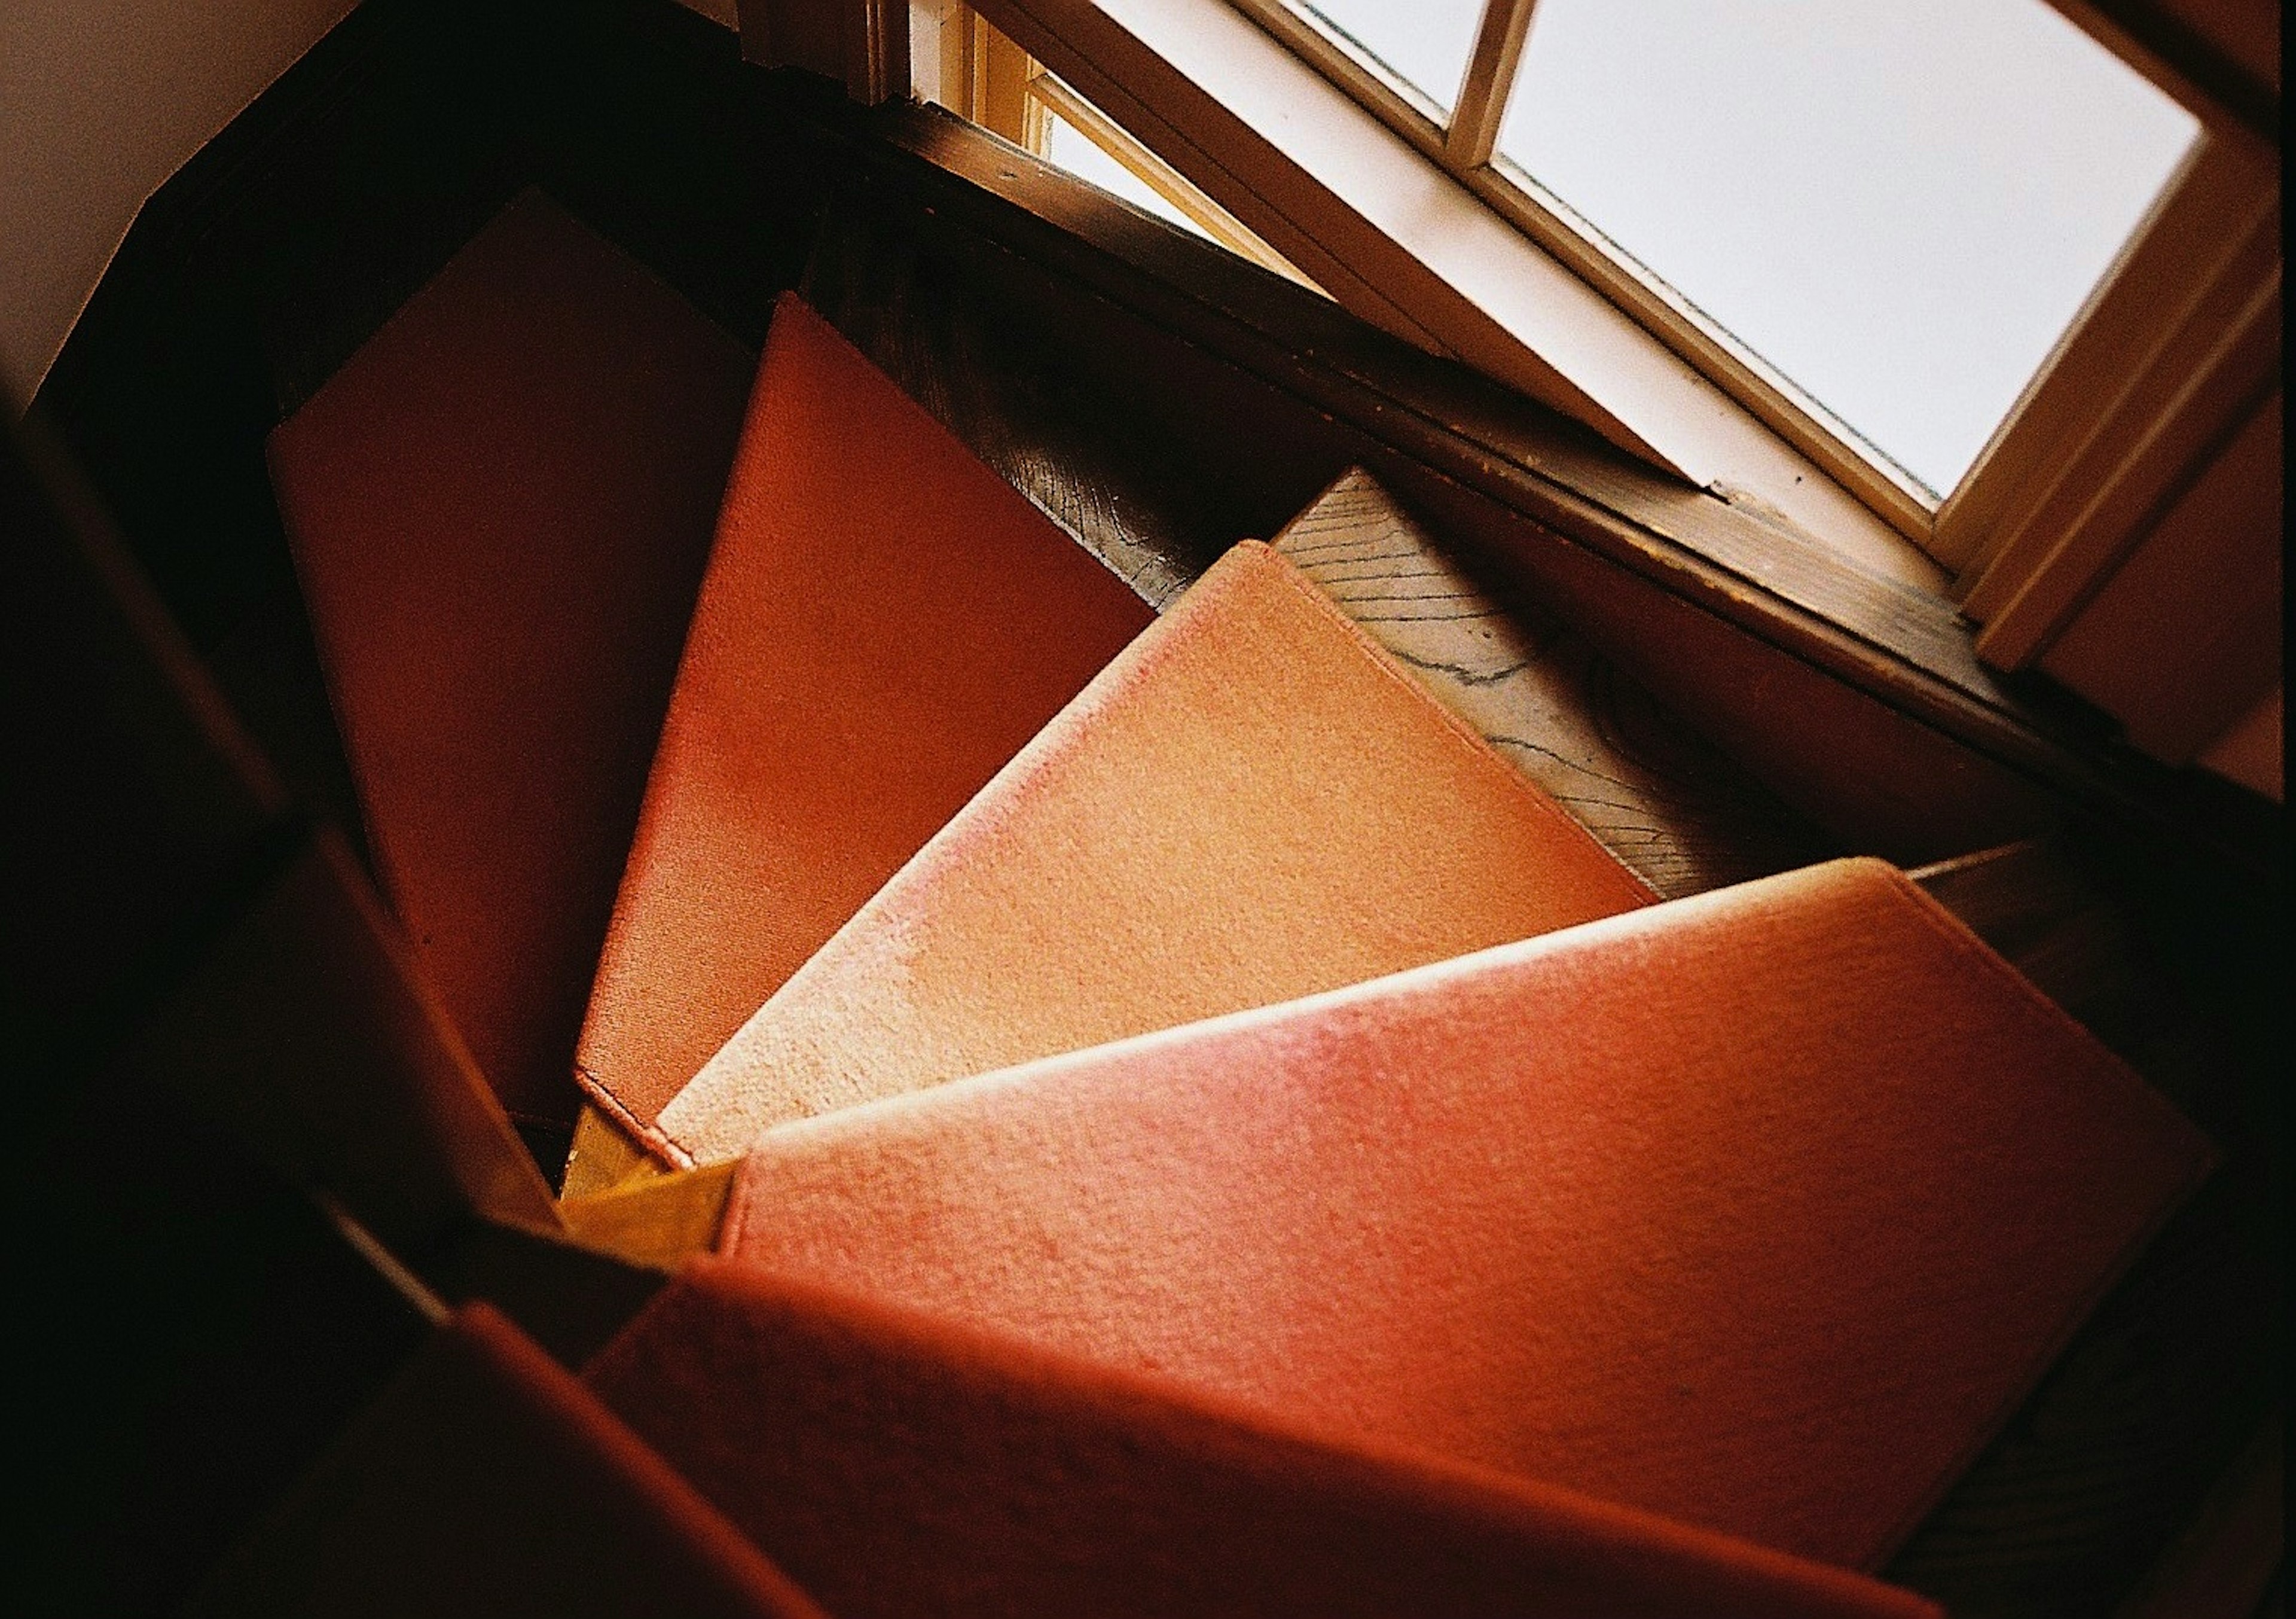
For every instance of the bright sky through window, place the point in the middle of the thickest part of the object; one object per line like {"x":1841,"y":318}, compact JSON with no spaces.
{"x":1899,"y":204}
{"x":1424,"y":43}
{"x":1072,"y":149}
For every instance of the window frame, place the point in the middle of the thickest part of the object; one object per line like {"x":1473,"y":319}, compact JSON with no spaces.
{"x":2101,"y":511}
{"x":1045,"y":91}
{"x":2226,"y":173}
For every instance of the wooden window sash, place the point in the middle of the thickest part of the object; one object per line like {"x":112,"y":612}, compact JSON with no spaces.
{"x":1403,"y":107}
{"x":2118,"y":384}
{"x":2192,"y":239}
{"x":1774,"y":398}
{"x":1465,"y":151}
{"x":1952,"y":525}
{"x":1447,"y":271}
{"x":1473,"y":132}
{"x":984,"y":78}
{"x":2105,"y":382}
{"x":1410,"y":218}
{"x":2102,"y":504}
{"x":1166,"y":182}
{"x":988,"y":81}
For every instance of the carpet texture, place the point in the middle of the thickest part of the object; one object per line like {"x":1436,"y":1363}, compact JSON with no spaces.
{"x":883,"y":624}
{"x":489,"y":1482}
{"x":898,"y":1465}
{"x":1253,"y":804}
{"x":500,"y":510}
{"x":1761,"y":1209}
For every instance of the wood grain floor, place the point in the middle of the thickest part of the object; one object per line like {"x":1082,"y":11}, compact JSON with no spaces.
{"x":1671,"y":807}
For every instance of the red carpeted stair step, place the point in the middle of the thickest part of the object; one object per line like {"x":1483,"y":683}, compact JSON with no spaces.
{"x":488,"y":1481}
{"x":1761,"y":1210}
{"x":883,"y":624}
{"x":1253,"y":802}
{"x":500,"y":509}
{"x":900,"y":1465}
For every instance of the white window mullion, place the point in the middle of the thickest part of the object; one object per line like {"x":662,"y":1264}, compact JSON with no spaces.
{"x":1474,"y":128}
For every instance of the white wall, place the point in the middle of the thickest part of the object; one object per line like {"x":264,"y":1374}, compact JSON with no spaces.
{"x":100,"y":102}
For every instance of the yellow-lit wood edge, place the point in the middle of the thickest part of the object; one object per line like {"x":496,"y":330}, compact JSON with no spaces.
{"x":657,"y":1221}
{"x":940,"y":55}
{"x":967,"y":66}
{"x":1001,"y":103}
{"x":604,"y":1157}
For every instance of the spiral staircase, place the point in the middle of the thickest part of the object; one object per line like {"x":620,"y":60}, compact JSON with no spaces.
{"x":889,"y":1060}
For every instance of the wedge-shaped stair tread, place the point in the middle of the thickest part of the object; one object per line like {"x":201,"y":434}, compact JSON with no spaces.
{"x":1761,"y":1209}
{"x":1253,"y":802}
{"x":895,"y":1465}
{"x":884,"y":624}
{"x":500,"y":510}
{"x":488,"y":1481}
{"x":306,"y":1026}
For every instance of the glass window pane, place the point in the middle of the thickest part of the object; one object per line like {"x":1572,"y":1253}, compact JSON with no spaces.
{"x":1072,"y":149}
{"x":1899,"y":204}
{"x":1424,"y":43}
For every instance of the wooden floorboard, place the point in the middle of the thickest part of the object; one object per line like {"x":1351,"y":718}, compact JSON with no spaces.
{"x":1668,"y":803}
